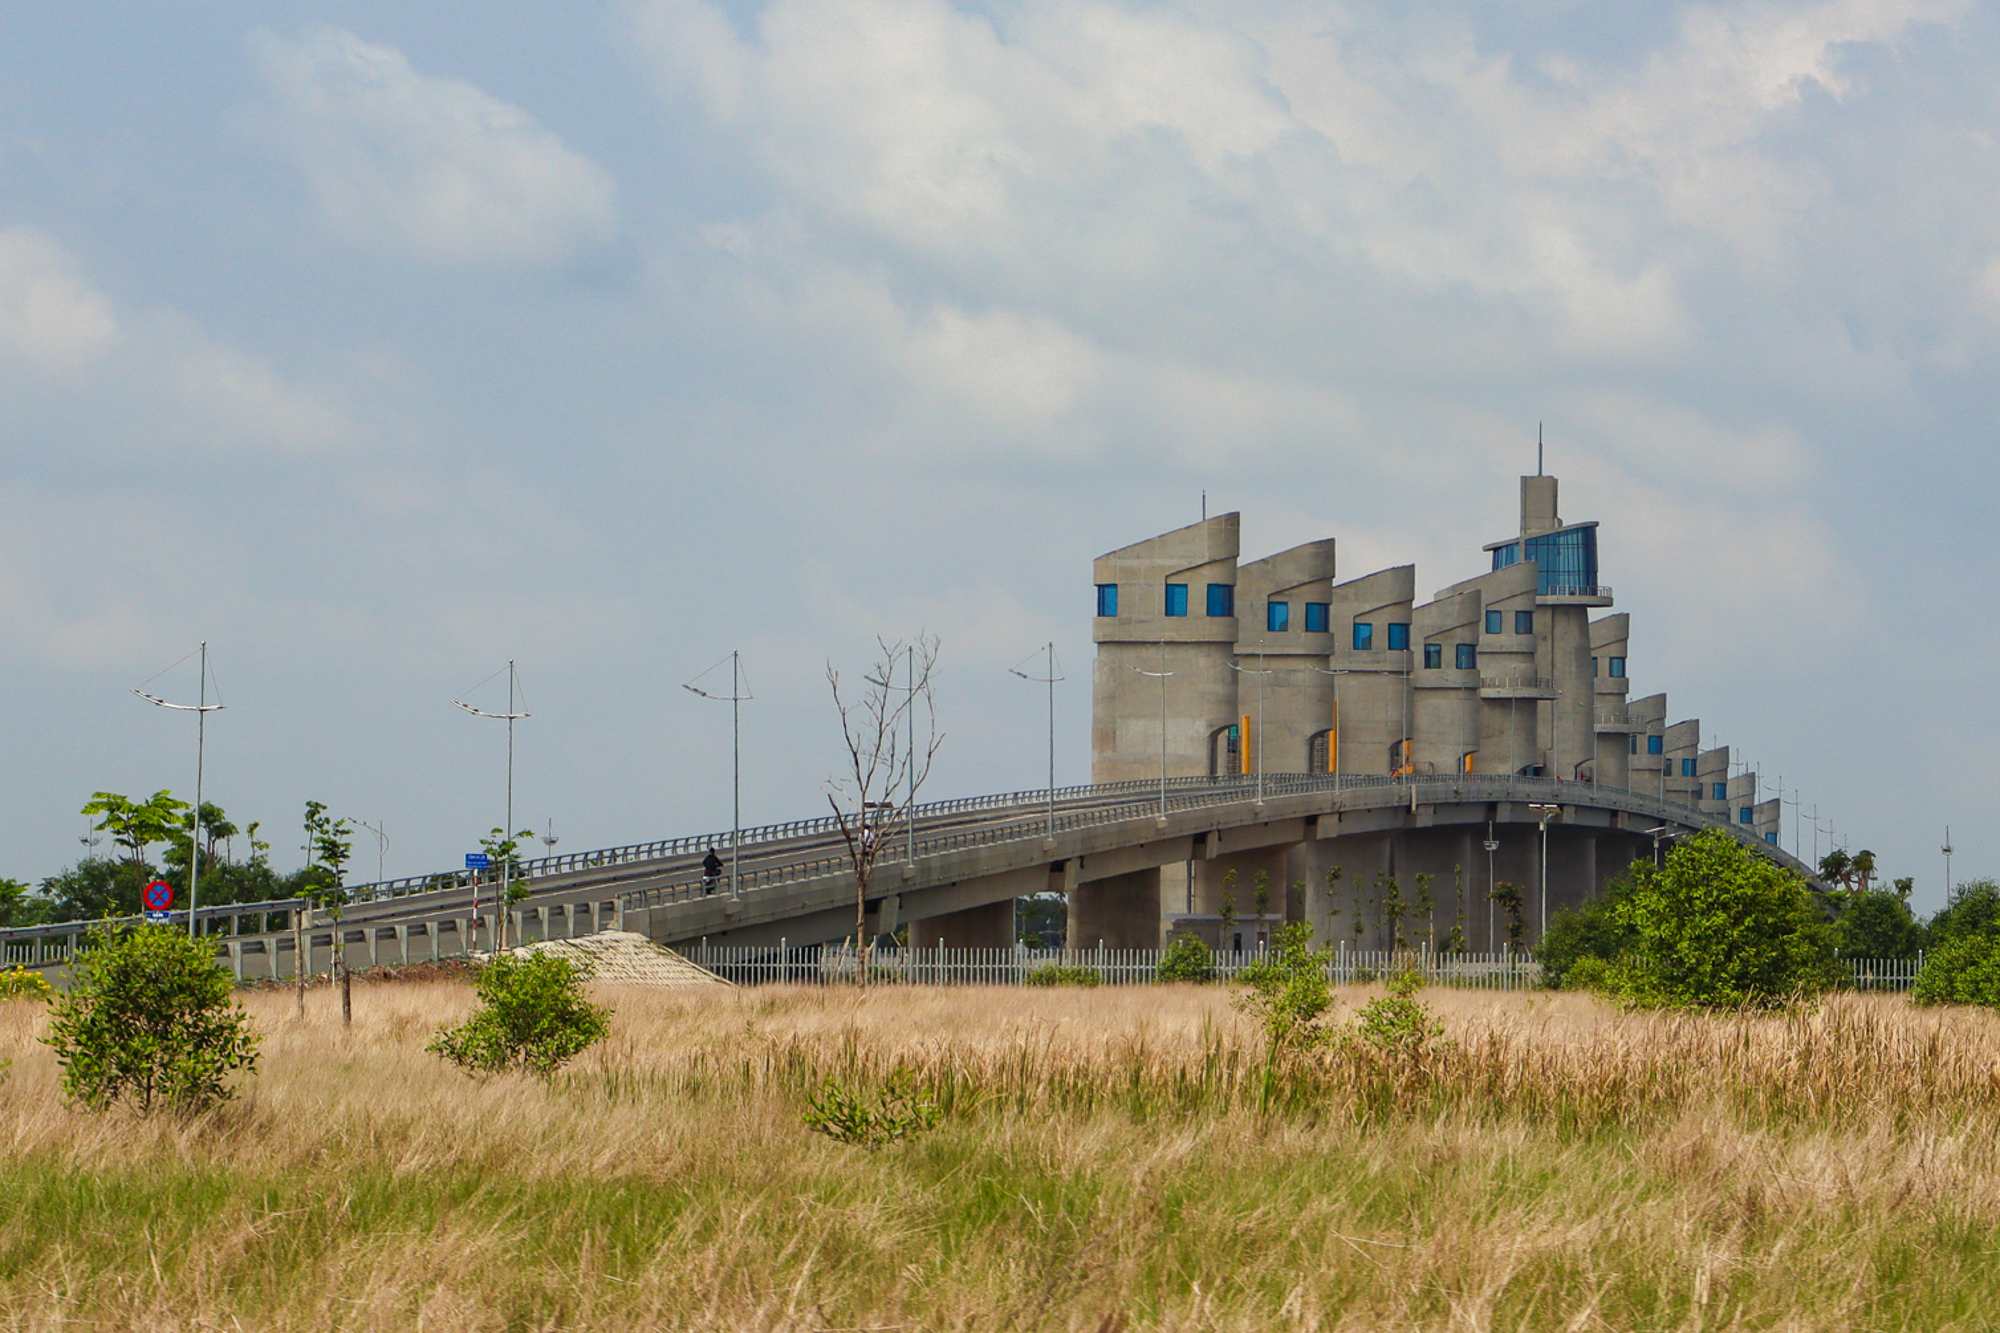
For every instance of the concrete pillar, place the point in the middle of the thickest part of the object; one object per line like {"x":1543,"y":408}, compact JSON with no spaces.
{"x":988,"y":927}
{"x":236,"y":958}
{"x":1123,"y":911}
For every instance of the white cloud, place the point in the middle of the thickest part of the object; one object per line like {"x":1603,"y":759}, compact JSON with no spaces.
{"x":51,"y":319}
{"x":432,"y":168}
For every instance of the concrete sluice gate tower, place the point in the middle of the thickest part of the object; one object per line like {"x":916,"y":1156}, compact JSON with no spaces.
{"x":1279,"y":666}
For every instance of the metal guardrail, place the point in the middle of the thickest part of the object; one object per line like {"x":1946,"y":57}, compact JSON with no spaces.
{"x":1088,"y":806}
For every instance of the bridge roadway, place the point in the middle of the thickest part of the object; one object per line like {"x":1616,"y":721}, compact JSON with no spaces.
{"x":1112,"y":851}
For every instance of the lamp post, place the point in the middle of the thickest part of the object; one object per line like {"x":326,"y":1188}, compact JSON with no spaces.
{"x":736,"y":698}
{"x":1161,"y":676}
{"x":381,"y":844}
{"x":1333,"y":752}
{"x":1545,"y":813}
{"x":510,"y":717}
{"x":201,"y":710}
{"x":1050,"y":681}
{"x":1258,"y":741}
{"x":1946,"y":849}
{"x":1491,"y":845}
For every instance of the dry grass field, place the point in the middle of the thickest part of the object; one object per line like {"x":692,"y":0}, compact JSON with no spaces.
{"x":1108,"y":1159}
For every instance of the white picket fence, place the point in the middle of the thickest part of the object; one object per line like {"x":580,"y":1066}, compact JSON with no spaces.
{"x":831,"y":964}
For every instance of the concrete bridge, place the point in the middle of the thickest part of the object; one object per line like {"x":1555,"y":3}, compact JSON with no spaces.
{"x":1136,"y":859}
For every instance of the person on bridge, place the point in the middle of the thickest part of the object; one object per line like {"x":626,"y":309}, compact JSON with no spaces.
{"x":711,"y":872}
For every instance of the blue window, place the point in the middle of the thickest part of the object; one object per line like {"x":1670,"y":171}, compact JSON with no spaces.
{"x":1492,"y":622}
{"x":1177,"y":599}
{"x":1468,"y":656}
{"x":1277,"y":616}
{"x":1316,"y":617}
{"x":1510,"y":554}
{"x":1107,"y":599}
{"x":1656,"y":745}
{"x":1770,"y":837}
{"x":1743,"y":815}
{"x":1364,"y":636}
{"x":1565,"y":561}
{"x":1687,"y":768}
{"x":1399,"y":637}
{"x":1618,"y":668}
{"x":1222,"y":599}
{"x":1635,"y":743}
{"x":1433,"y":656}
{"x":1721,"y":792}
{"x":1524,"y":622}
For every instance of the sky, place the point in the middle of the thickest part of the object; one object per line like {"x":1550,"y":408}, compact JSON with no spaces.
{"x":377,"y":345}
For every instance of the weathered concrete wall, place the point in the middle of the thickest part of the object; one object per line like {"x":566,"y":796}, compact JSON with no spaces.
{"x":1121,"y":912}
{"x":988,"y":927}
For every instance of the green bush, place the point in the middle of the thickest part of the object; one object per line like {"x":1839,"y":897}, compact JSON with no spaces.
{"x":532,"y":1016}
{"x":1963,"y":970}
{"x":1186,"y":959}
{"x":1590,"y":973}
{"x":1974,"y":909}
{"x":1719,"y":926}
{"x":1397,"y":1026}
{"x":845,"y":1116}
{"x":1585,"y":934}
{"x":1873,"y":924}
{"x":148,"y":1019}
{"x":1055,"y":974}
{"x":1290,"y":991}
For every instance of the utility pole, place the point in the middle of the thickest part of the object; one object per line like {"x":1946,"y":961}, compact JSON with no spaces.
{"x":1161,"y":676}
{"x":1049,"y":680}
{"x":736,"y":698}
{"x":201,"y":710}
{"x":1546,"y":813}
{"x":510,"y":717}
{"x":1491,"y":845}
{"x":1258,"y":740}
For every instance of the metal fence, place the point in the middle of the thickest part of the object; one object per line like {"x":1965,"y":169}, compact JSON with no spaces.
{"x":835,"y":965}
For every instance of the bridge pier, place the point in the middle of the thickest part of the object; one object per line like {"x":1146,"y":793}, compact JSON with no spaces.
{"x":1122,"y":911}
{"x":986,"y":927}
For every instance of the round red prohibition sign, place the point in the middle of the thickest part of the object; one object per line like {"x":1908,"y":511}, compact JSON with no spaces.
{"x":159,"y":896}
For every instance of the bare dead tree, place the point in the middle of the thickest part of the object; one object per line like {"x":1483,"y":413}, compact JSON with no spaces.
{"x":891,"y":734}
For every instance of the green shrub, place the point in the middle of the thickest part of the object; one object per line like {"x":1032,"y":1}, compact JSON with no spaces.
{"x":1719,"y":926}
{"x":20,"y":983}
{"x":1963,"y":970}
{"x":148,"y":1019}
{"x":845,"y":1116}
{"x":1397,"y":1026}
{"x":532,"y":1016}
{"x":1187,"y":959}
{"x":1590,"y":973}
{"x":1290,"y":991}
{"x":1873,"y":924}
{"x":1055,"y":974}
{"x":1587,"y":933}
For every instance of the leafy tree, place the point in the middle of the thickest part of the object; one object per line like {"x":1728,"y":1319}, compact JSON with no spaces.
{"x":1974,"y":909}
{"x":93,"y":889}
{"x":1874,"y":924}
{"x":532,"y":1015}
{"x":1590,"y":930}
{"x":1426,"y":908}
{"x":1837,"y":867}
{"x":1260,"y":892}
{"x":1228,"y":905}
{"x":1510,"y":900}
{"x":21,"y":905}
{"x":1393,"y":911}
{"x":136,"y":825}
{"x":331,"y":844}
{"x":1187,"y":959}
{"x":148,"y":1019}
{"x":1456,"y":943}
{"x":503,"y":854}
{"x":1718,"y":926}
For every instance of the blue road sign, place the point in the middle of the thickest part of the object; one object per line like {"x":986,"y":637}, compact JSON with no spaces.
{"x":158,"y":918}
{"x":475,"y":860}
{"x":159,"y":896}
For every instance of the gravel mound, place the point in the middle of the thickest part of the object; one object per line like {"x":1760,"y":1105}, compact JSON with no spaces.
{"x":625,"y":958}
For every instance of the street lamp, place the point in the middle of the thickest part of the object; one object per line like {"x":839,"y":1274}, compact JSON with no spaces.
{"x":1050,"y":681}
{"x":1333,"y":751}
{"x":381,"y":844}
{"x":1946,"y":849}
{"x":1545,"y":813}
{"x":1258,"y":740}
{"x":201,"y":711}
{"x":736,"y":698}
{"x":1491,"y":845}
{"x":1161,"y":676}
{"x":510,"y":717}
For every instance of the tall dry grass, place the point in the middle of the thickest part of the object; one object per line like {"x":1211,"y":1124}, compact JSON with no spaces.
{"x":1116,"y":1158}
